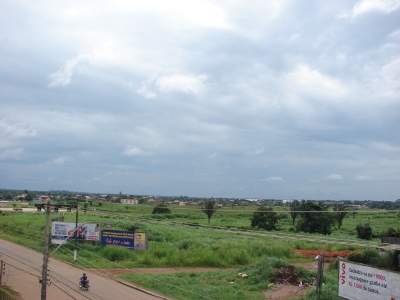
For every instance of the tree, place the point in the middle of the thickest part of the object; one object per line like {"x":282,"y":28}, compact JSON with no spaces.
{"x":209,"y":207}
{"x":161,"y":209}
{"x":315,"y":218}
{"x":340,"y":211}
{"x":265,"y":218}
{"x":30,"y":196}
{"x":294,"y":210}
{"x":364,"y":231}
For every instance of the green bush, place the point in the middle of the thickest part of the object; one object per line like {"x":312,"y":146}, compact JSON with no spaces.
{"x":357,"y":257}
{"x":116,"y":253}
{"x":161,"y":209}
{"x":364,"y":231}
{"x":369,"y":256}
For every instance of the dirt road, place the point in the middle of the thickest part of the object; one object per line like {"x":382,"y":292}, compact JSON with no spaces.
{"x":23,"y":270}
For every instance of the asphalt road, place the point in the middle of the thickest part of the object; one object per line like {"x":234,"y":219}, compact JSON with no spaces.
{"x":23,"y":270}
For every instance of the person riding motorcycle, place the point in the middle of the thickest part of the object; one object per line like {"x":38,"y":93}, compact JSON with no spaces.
{"x":84,"y":279}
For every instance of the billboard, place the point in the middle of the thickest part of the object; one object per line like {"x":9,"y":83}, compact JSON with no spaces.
{"x":359,"y":282}
{"x":60,"y":231}
{"x":140,"y":241}
{"x":118,"y":238}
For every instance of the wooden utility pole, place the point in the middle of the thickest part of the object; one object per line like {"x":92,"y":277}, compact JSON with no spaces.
{"x":1,"y":271}
{"x":320,"y":274}
{"x":45,"y":251}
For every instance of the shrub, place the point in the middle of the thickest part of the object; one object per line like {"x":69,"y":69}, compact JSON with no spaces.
{"x":368,"y":256}
{"x":161,"y":209}
{"x":116,"y":253}
{"x":364,"y":231}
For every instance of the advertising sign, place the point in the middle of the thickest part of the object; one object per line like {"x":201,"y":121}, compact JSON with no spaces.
{"x":63,"y":230}
{"x":118,"y":238}
{"x":140,"y":241}
{"x":359,"y":282}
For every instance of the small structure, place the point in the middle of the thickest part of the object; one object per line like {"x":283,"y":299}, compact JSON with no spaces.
{"x":391,"y":239}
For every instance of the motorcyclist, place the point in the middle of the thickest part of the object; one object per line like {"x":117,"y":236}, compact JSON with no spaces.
{"x":84,"y":279}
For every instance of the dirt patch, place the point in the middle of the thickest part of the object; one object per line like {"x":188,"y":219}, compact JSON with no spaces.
{"x":288,"y":284}
{"x":327,"y":254}
{"x":282,"y":291}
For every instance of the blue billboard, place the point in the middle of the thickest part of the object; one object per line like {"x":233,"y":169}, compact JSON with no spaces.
{"x":118,"y":238}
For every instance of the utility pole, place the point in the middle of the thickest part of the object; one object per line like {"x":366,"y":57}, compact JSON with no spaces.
{"x":76,"y":231}
{"x":45,"y":251}
{"x":320,"y":274}
{"x":2,"y":267}
{"x":47,"y":207}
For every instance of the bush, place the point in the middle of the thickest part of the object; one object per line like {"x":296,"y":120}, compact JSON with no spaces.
{"x":161,"y":209}
{"x":369,"y":256}
{"x":116,"y":253}
{"x":364,"y":232}
{"x":357,"y":257}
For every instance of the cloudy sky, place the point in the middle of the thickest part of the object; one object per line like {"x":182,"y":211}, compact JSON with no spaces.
{"x":257,"y":99}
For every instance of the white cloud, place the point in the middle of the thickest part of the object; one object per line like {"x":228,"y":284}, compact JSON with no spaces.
{"x":334,"y":177}
{"x":64,"y":75}
{"x":384,"y":147}
{"x":255,"y":152}
{"x":189,"y":84}
{"x":12,"y":153}
{"x":274,"y":178}
{"x":366,"y":6}
{"x":16,"y":130}
{"x":363,"y":178}
{"x":60,"y":160}
{"x":306,"y":80}
{"x":134,"y":151}
{"x":146,"y":91}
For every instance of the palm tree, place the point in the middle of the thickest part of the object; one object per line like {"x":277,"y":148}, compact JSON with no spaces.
{"x":341,"y":211}
{"x":209,"y":207}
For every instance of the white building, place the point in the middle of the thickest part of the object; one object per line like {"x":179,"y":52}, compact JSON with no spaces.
{"x":130,"y":201}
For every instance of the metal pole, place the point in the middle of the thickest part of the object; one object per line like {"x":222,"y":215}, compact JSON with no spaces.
{"x":45,"y":252}
{"x":76,"y":231}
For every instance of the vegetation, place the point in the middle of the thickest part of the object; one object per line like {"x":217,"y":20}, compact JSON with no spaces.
{"x":265,"y":218}
{"x":184,"y":238}
{"x":161,"y":209}
{"x":364,"y":231}
{"x":209,"y":207}
{"x":341,"y":212}
{"x":7,"y":293}
{"x":312,"y":221}
{"x":294,"y":210}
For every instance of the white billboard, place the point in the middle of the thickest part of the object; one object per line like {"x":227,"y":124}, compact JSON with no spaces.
{"x":60,"y":231}
{"x":359,"y":282}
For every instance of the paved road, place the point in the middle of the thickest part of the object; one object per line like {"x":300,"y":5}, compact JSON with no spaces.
{"x":23,"y":270}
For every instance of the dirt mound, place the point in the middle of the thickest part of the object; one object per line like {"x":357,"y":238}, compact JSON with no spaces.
{"x":287,"y":275}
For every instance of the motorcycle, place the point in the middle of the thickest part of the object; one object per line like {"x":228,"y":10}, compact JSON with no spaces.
{"x":84,"y":285}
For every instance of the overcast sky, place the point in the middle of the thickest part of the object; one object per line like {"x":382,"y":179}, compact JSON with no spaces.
{"x":243,"y":99}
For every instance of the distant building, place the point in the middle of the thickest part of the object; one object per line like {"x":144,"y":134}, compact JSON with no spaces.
{"x":287,"y":201}
{"x":45,"y":198}
{"x":130,"y":201}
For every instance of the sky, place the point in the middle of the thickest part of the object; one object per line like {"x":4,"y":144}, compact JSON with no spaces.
{"x":235,"y":99}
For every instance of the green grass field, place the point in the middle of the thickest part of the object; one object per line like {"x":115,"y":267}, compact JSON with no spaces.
{"x":171,"y":244}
